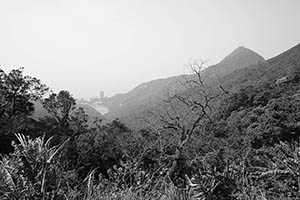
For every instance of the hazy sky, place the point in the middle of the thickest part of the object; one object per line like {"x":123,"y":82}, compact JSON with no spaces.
{"x":113,"y":45}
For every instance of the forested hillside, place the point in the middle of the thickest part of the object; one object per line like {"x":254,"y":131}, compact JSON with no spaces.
{"x":147,"y":95}
{"x":285,"y":64}
{"x":234,"y":137}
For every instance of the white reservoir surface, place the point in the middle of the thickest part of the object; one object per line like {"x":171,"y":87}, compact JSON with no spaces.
{"x":100,"y":108}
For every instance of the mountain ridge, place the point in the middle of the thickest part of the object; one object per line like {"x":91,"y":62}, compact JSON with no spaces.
{"x":239,"y":58}
{"x":147,"y":94}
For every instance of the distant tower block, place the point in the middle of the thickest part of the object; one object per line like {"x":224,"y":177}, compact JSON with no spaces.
{"x":101,"y":94}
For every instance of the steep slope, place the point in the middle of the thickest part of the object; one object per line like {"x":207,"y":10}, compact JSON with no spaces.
{"x":143,"y":96}
{"x":285,"y":64}
{"x":147,"y":94}
{"x":238,"y":59}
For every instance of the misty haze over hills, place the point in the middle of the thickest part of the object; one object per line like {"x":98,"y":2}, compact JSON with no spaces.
{"x":243,"y":109}
{"x":150,"y":100}
{"x":147,"y":94}
{"x":232,"y":72}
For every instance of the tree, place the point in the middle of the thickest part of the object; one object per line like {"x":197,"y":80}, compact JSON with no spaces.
{"x":185,"y":113}
{"x":60,"y":106}
{"x":102,"y":147}
{"x":17,"y":94}
{"x":66,"y":119}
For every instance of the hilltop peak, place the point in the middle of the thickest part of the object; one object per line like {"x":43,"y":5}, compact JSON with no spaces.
{"x":241,"y":48}
{"x":240,"y":53}
{"x":239,"y":58}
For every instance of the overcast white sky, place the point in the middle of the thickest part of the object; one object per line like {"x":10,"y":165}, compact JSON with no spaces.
{"x":113,"y":45}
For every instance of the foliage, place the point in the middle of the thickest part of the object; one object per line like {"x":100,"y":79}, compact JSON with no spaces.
{"x":248,"y":149}
{"x":17,"y":93}
{"x":32,"y":170}
{"x":59,"y":106}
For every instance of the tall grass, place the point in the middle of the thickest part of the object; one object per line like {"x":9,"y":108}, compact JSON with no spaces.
{"x":35,"y":171}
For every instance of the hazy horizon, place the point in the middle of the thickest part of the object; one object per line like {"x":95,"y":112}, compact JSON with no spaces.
{"x":88,"y":46}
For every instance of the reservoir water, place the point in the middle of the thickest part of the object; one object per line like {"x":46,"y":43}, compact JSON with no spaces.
{"x":100,"y":108}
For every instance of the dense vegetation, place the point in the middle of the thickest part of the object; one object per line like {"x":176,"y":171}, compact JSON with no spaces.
{"x":246,"y":148}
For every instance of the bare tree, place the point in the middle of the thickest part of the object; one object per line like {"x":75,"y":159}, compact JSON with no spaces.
{"x":186,"y":111}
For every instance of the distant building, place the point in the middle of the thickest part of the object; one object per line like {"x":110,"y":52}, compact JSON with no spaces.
{"x":101,"y":94}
